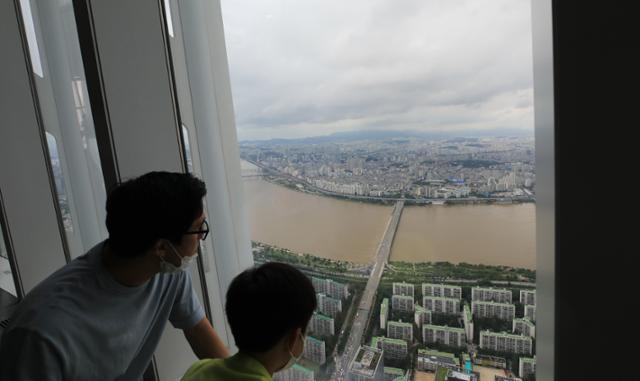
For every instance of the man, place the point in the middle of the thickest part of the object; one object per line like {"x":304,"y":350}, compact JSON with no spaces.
{"x":268,"y":309}
{"x":101,"y":316}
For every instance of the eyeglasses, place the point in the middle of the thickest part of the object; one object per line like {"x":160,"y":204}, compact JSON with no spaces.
{"x":204,"y":230}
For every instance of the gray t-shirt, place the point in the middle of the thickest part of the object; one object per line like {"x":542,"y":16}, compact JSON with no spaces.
{"x":80,"y":324}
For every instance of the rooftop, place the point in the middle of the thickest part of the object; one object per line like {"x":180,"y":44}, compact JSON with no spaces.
{"x":439,"y":298}
{"x":439,"y":285}
{"x":492,"y":303}
{"x":419,"y":308}
{"x":528,"y":359}
{"x":443,"y":327}
{"x":443,"y":357}
{"x":467,"y":310}
{"x":504,"y":334}
{"x":396,"y":371}
{"x":321,"y":316}
{"x":366,"y":361}
{"x":399,"y":324}
{"x":402,"y":297}
{"x":490,"y":289}
{"x":525,"y":320}
{"x":314,"y":340}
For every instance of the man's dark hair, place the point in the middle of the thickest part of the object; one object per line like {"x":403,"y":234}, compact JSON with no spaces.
{"x":157,"y":205}
{"x":265,"y":303}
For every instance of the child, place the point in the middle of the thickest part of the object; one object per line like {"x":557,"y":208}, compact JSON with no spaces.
{"x":268,"y":309}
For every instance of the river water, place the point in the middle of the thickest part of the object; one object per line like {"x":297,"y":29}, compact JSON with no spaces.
{"x":350,"y":230}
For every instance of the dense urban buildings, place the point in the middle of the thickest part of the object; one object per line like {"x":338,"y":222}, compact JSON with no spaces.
{"x":414,"y":167}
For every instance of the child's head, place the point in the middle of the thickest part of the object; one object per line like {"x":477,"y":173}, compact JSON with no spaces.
{"x":268,"y":303}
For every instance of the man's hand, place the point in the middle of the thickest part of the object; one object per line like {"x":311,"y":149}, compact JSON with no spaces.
{"x":204,"y":341}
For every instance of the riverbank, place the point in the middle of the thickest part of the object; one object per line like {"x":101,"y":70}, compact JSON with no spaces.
{"x":422,"y":272}
{"x":304,"y":187}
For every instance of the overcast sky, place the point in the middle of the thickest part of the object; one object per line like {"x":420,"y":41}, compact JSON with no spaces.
{"x":304,"y":68}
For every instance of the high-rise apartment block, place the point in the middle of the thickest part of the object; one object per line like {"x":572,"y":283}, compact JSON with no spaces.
{"x":405,"y":289}
{"x":441,"y":290}
{"x":528,"y":297}
{"x":530,"y":312}
{"x":322,"y":325}
{"x":467,"y":319}
{"x":394,"y":374}
{"x":451,"y":336}
{"x":400,"y":330}
{"x":430,"y":360}
{"x":527,"y":366}
{"x":330,"y":288}
{"x":441,"y":305}
{"x":421,"y":316}
{"x":502,"y":311}
{"x":505,"y":342}
{"x":314,"y":350}
{"x":524,"y":327}
{"x":384,"y":313}
{"x":402,"y":303}
{"x":393,"y":349}
{"x":490,"y":294}
{"x":329,"y":306}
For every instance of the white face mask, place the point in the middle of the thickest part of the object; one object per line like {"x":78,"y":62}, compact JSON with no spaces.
{"x":185,"y":262}
{"x":293,"y":358}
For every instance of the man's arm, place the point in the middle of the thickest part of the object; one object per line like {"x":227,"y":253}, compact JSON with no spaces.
{"x":205,"y":341}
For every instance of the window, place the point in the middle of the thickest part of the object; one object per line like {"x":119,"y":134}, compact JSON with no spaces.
{"x":385,"y":143}
{"x":70,"y":135}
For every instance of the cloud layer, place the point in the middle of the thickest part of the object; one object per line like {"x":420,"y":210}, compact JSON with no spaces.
{"x":309,"y":68}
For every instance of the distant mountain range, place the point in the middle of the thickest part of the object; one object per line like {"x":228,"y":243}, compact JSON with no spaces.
{"x":353,"y":136}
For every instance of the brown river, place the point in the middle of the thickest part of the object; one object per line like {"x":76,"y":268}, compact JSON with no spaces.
{"x":351,"y":231}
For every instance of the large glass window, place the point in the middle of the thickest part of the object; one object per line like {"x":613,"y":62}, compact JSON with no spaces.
{"x":64,"y":103}
{"x":200,"y":69}
{"x":388,"y":152}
